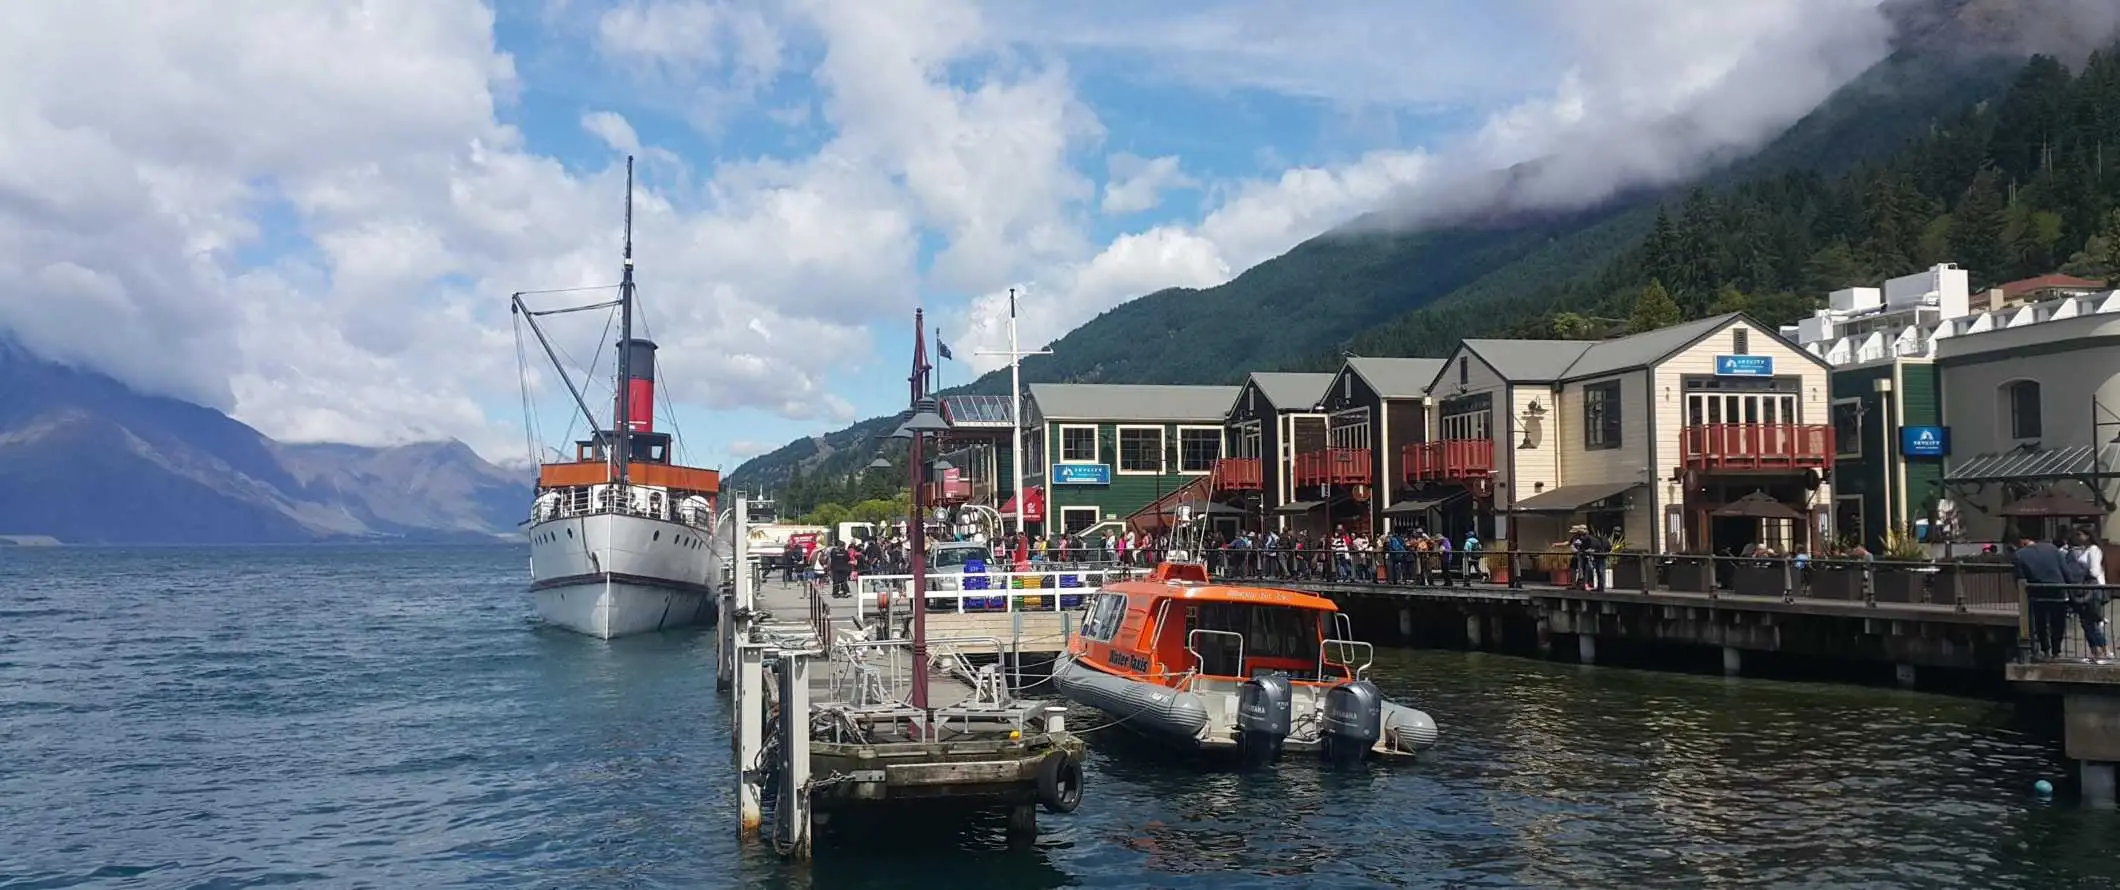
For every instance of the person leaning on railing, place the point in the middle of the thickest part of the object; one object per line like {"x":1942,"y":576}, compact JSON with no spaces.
{"x":2047,"y":572}
{"x":2090,"y":600}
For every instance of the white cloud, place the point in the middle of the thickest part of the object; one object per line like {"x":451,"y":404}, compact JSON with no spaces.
{"x":311,"y":214}
{"x":748,"y":448}
{"x":1138,"y":183}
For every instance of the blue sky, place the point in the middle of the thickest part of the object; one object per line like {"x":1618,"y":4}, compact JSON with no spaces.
{"x":310,"y":216}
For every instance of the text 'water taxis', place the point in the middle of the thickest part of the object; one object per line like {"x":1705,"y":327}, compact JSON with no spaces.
{"x":1244,"y":669}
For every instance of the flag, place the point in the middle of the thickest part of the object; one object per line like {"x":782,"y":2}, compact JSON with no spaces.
{"x":942,"y":349}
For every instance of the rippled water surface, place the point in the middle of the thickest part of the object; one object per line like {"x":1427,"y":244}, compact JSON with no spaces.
{"x":396,"y":718}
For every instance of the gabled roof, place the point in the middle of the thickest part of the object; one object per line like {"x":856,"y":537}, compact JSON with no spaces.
{"x":1291,"y":390}
{"x":1147,"y":403}
{"x":1529,"y":361}
{"x":2049,"y":282}
{"x":1548,"y":361}
{"x":1397,"y":378}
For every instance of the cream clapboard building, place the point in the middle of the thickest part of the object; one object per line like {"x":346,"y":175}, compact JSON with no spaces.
{"x":1648,"y":434}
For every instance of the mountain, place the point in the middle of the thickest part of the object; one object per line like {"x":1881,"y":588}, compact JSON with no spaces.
{"x":1863,"y":186}
{"x":85,"y":459}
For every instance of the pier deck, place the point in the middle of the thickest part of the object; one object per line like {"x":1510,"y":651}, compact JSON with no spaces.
{"x":831,"y":719}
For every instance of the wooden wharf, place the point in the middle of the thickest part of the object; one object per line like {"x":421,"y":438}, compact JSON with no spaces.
{"x":826,"y":718}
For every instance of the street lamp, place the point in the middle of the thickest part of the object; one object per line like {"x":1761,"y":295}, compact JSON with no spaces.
{"x":923,"y":423}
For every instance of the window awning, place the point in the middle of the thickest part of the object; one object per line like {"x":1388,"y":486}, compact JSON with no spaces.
{"x":2033,"y":465}
{"x":1570,"y":498}
{"x":1423,"y":505}
{"x":1299,"y":507}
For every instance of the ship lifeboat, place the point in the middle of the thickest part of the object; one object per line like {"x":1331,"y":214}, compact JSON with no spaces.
{"x":1249,"y":671}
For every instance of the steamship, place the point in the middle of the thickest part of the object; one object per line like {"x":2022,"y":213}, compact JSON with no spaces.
{"x":620,"y":535}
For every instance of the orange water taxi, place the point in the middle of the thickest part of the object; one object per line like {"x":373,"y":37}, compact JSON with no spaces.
{"x":1251,"y":670}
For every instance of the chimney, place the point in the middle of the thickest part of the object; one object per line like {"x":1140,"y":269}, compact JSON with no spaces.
{"x":639,"y":391}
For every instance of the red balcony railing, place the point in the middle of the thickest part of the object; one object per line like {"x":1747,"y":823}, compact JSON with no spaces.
{"x":949,"y":492}
{"x":1237,"y":474}
{"x":1333,"y":466}
{"x":1756,"y":446}
{"x":1448,"y":459}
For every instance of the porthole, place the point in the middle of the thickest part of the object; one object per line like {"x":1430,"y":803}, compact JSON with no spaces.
{"x":570,"y":533}
{"x":658,"y":535}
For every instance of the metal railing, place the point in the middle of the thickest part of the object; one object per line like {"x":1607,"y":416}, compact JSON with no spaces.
{"x":1348,"y":648}
{"x":2066,"y":623}
{"x":1192,"y":638}
{"x":1447,"y":459}
{"x":1963,"y":584}
{"x":622,"y":500}
{"x":1049,"y":590}
{"x":1756,"y":445}
{"x":1332,"y":466}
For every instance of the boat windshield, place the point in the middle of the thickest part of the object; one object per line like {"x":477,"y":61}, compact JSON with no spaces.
{"x":952,"y":557}
{"x":1282,"y":633}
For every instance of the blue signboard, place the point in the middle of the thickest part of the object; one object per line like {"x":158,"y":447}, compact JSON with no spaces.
{"x":1082,"y":474}
{"x":1925,"y":441}
{"x":1744,"y":366}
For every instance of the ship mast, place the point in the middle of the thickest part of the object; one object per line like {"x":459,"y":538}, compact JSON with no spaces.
{"x":622,"y":419}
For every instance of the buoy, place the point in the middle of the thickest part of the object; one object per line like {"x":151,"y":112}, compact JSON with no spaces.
{"x":1015,"y":734}
{"x":2043,"y":788}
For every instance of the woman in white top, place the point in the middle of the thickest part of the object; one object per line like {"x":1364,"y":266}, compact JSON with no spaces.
{"x":2091,"y":606}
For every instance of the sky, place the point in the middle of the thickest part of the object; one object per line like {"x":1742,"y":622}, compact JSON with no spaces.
{"x":311,"y":215}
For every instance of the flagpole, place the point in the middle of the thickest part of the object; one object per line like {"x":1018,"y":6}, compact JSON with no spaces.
{"x":938,"y":364}
{"x":1015,"y":402}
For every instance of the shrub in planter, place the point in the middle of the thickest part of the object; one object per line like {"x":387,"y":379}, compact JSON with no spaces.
{"x":1760,"y":577}
{"x":1558,"y":565}
{"x":1692,"y":574}
{"x":1835,"y":579}
{"x":1902,"y":573}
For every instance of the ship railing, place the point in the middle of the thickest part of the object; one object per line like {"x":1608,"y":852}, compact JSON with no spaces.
{"x":1049,"y":590}
{"x":616,"y":499}
{"x":1192,"y":639}
{"x":1348,"y":651}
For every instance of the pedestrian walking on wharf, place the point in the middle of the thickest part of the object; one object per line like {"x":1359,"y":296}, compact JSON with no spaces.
{"x":2048,"y":571}
{"x":841,"y":563}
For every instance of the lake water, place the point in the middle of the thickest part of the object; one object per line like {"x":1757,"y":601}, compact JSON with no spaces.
{"x":395,"y":717}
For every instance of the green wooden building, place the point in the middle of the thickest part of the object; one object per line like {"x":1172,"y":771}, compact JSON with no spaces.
{"x":1100,"y":452}
{"x":1877,"y":485}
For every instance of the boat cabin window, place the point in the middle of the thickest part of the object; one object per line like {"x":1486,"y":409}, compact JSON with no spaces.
{"x":1104,"y":616}
{"x":1282,"y":633}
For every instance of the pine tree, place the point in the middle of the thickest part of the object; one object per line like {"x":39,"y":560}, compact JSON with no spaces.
{"x":1730,"y":299}
{"x":1653,"y":309}
{"x":1977,"y":227}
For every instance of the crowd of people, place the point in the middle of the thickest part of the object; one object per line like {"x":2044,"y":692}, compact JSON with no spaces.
{"x":1399,"y":556}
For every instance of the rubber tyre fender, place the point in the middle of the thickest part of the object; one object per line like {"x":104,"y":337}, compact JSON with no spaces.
{"x":1060,"y":782}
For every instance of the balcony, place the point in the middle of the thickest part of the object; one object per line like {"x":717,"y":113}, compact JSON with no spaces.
{"x":1333,"y":466}
{"x":1237,"y":474}
{"x":1756,"y":446}
{"x":949,"y":491}
{"x":1448,"y":460}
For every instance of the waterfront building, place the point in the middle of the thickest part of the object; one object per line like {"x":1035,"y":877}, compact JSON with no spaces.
{"x":1372,"y":405}
{"x":980,"y":455}
{"x":1647,"y":434}
{"x":1883,"y":344}
{"x":1276,"y":415}
{"x":2032,"y":410}
{"x":1100,"y":452}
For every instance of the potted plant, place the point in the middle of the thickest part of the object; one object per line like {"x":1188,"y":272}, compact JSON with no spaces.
{"x":1760,"y":576}
{"x":1839,"y":574}
{"x":1901,"y":574}
{"x":1985,"y":579}
{"x":1497,"y":563}
{"x":1558,"y":563}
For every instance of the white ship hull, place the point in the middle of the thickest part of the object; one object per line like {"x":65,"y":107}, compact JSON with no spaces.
{"x":611,"y":575}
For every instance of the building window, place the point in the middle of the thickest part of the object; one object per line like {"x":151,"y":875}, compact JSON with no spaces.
{"x":1078,"y":444}
{"x":1601,"y":416}
{"x":2021,"y":400}
{"x":1198,"y":448}
{"x":1347,"y":387}
{"x":1464,"y":370}
{"x":1140,"y":449}
{"x":1348,"y":430}
{"x":1468,"y":425}
{"x":1074,"y":520}
{"x":1740,"y":341}
{"x":1847,"y":428}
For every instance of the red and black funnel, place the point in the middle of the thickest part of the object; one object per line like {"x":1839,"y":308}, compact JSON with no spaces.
{"x":639,"y":388}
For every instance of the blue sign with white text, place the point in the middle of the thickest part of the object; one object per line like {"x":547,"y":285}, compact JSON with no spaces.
{"x":1082,"y":474}
{"x":1925,"y":441}
{"x":1744,"y":366}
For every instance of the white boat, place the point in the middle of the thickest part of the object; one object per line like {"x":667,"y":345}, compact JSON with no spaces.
{"x":619,"y":535}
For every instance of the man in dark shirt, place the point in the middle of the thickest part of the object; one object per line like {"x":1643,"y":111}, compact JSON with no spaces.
{"x":790,"y":558}
{"x":841,"y":564}
{"x":2045,"y":568}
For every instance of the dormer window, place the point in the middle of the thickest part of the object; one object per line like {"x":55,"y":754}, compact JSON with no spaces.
{"x":1740,"y":342}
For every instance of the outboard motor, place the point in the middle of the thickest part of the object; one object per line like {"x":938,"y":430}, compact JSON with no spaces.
{"x":1354,"y":720}
{"x":1264,"y":706}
